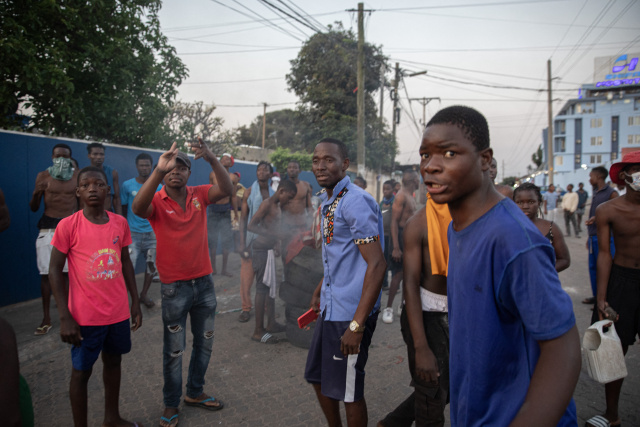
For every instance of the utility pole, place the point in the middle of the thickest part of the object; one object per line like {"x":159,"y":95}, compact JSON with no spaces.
{"x":550,"y":128}
{"x":360,"y":93}
{"x":424,"y":102}
{"x":379,"y":180}
{"x":264,"y":122}
{"x":396,"y":110}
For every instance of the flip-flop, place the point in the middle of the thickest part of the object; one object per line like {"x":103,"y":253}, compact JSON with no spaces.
{"x":170,"y":420}
{"x":244,"y":317}
{"x":267,"y":338}
{"x":202,"y":404}
{"x":42,"y":330}
{"x":600,"y":421}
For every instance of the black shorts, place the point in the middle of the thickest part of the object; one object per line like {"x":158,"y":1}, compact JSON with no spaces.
{"x":341,"y":378}
{"x":623,"y":295}
{"x":259,"y":263}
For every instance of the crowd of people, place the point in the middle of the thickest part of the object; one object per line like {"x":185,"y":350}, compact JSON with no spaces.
{"x":489,"y":329}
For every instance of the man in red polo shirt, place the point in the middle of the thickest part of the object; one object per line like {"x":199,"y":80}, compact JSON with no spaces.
{"x":178,"y":215}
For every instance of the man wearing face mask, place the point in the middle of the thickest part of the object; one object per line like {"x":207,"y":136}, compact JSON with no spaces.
{"x":618,"y":277}
{"x":57,"y":184}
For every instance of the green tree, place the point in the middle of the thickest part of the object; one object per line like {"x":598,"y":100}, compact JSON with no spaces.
{"x":283,"y":129}
{"x":509,"y":180}
{"x":324,"y":76}
{"x":187,"y":121}
{"x":99,"y":69}
{"x":281,"y":157}
{"x":536,"y":157}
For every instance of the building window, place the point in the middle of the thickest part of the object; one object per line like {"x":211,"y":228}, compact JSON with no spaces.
{"x":596,"y":159}
{"x":560,"y":145}
{"x":614,"y":156}
{"x":634,"y":120}
{"x":596,"y":123}
{"x":633,"y":139}
{"x":596,"y":140}
{"x":585,"y":108}
{"x":560,"y":127}
{"x":558,"y":160}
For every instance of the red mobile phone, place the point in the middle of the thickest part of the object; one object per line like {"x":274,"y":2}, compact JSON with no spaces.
{"x":307,"y":318}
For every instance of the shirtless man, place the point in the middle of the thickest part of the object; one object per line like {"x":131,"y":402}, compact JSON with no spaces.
{"x":299,"y":208}
{"x":251,"y":201}
{"x":424,"y":323}
{"x":403,"y":208}
{"x":96,"y":157}
{"x":219,"y":220}
{"x":58,"y":186}
{"x":505,"y":190}
{"x":266,"y":223}
{"x":618,"y":279}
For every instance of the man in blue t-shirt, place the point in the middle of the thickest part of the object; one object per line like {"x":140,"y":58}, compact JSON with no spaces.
{"x":550,"y":203}
{"x":142,"y":235}
{"x":514,"y":346}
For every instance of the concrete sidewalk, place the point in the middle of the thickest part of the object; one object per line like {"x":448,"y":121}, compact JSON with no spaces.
{"x":261,"y":385}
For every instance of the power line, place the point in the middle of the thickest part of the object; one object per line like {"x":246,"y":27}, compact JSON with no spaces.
{"x":491,"y":49}
{"x":237,"y":51}
{"x":264,"y":20}
{"x":451,"y":6}
{"x":233,"y":81}
{"x":254,"y":105}
{"x":306,"y":24}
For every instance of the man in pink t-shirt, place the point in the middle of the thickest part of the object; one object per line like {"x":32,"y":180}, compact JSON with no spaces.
{"x":95,"y":318}
{"x":178,"y":215}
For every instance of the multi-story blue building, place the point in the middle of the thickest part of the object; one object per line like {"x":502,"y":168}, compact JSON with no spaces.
{"x":598,"y":127}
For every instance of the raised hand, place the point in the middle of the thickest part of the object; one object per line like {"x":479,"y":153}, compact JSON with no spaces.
{"x":167,"y":162}
{"x":201,"y":149}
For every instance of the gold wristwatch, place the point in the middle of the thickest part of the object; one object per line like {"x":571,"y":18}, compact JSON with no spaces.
{"x":355,"y":327}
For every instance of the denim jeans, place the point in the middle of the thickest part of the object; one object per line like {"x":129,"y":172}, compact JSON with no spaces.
{"x":143,"y":243}
{"x":196,"y":297}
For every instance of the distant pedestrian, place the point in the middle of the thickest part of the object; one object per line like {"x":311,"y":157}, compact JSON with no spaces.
{"x":94,"y":313}
{"x":385,"y":208}
{"x":583,"y":196}
{"x":348,"y":297}
{"x":360,"y":182}
{"x":219,"y":227}
{"x":267,"y":224}
{"x":404,"y":205}
{"x":527,"y":196}
{"x":618,"y":277}
{"x":515,"y":351}
{"x":550,"y":203}
{"x":252,"y":198}
{"x":96,"y":156}
{"x":601,"y":193}
{"x":142,"y":236}
{"x":178,"y":213}
{"x":57,"y":186}
{"x":569,"y":205}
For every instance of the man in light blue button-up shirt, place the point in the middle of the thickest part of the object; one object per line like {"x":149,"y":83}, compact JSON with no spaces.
{"x":348,"y":298}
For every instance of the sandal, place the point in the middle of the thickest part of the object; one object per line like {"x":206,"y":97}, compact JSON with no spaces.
{"x":42,"y":330}
{"x":267,"y":338}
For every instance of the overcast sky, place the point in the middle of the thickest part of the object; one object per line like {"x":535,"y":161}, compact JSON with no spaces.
{"x":238,"y":54}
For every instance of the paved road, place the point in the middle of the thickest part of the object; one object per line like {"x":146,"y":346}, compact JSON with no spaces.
{"x":261,"y":385}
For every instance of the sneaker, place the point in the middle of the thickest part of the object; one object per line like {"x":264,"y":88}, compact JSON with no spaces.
{"x":387,"y":315}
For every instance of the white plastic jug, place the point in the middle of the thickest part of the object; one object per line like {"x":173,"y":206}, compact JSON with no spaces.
{"x":602,"y":353}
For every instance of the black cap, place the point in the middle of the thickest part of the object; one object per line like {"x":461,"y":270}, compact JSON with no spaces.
{"x":184,"y":159}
